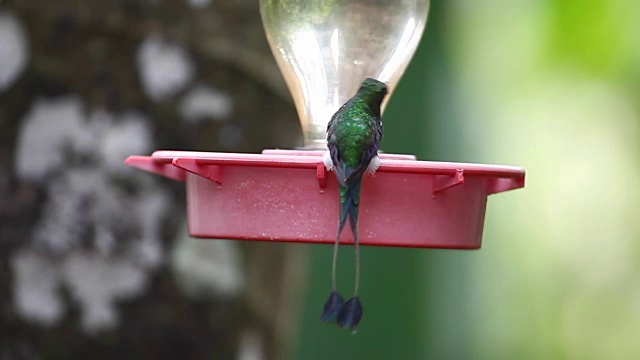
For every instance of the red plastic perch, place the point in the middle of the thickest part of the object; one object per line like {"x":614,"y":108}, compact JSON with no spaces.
{"x":287,"y":195}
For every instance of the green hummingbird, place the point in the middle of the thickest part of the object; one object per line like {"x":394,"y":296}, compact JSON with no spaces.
{"x":353,"y":139}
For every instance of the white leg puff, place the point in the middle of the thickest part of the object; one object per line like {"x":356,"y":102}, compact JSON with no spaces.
{"x":373,"y":165}
{"x":326,"y":159}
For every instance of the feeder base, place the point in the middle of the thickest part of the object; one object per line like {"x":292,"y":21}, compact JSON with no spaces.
{"x":287,"y":195}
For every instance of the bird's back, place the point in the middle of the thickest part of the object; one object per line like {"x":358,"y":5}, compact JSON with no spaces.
{"x":355,"y":135}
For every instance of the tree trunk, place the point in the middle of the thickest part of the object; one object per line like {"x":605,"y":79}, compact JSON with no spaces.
{"x":95,"y":261}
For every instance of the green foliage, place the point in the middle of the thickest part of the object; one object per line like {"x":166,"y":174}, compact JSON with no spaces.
{"x":595,"y":36}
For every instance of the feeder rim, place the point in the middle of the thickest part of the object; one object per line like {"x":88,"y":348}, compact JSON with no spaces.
{"x":281,"y":159}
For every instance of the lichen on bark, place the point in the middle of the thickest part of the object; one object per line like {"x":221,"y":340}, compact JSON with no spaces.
{"x":86,"y":243}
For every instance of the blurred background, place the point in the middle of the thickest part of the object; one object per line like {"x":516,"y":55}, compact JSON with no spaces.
{"x":94,"y":257}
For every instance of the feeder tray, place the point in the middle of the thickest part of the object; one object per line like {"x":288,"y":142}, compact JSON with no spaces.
{"x":288,"y":195}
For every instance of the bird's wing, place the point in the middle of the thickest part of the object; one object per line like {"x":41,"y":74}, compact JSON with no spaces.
{"x":332,"y":144}
{"x":353,"y":174}
{"x":367,"y":155}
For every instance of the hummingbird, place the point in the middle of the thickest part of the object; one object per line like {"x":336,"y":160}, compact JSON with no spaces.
{"x":353,"y":138}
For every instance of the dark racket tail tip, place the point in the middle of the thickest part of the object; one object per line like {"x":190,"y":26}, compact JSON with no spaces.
{"x":350,"y":315}
{"x":332,"y":307}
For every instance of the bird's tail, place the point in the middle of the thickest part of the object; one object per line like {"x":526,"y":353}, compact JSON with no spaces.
{"x":348,"y":313}
{"x":349,"y":206}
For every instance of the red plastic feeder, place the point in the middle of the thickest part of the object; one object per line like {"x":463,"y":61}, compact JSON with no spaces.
{"x":287,"y":195}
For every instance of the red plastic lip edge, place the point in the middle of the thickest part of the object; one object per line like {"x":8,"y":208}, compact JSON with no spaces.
{"x":162,"y":163}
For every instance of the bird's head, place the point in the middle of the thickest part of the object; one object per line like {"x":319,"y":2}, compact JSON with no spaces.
{"x":373,"y":91}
